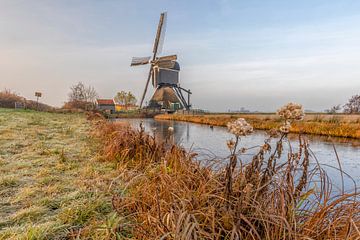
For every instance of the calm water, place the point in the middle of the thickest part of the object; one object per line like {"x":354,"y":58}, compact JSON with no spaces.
{"x":210,"y":143}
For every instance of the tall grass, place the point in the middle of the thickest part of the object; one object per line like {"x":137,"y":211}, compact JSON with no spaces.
{"x":170,"y":195}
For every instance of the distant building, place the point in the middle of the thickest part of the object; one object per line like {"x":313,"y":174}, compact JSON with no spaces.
{"x":107,"y":105}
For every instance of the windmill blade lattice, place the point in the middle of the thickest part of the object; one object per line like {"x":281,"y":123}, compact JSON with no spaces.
{"x":140,"y":61}
{"x":160,"y":36}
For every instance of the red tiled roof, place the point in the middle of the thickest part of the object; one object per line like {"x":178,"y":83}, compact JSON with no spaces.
{"x":105,"y":101}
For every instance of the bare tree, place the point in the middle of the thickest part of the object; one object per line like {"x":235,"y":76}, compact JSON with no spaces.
{"x":81,"y":97}
{"x":334,"y":109}
{"x":77,"y":92}
{"x":90,"y":94}
{"x":353,"y":105}
{"x":82,"y":93}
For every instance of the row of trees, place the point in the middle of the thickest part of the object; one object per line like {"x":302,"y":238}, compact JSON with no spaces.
{"x":83,"y":97}
{"x":125,"y":98}
{"x":352,"y":106}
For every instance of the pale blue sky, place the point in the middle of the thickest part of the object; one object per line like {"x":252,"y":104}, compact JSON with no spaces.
{"x":253,"y":54}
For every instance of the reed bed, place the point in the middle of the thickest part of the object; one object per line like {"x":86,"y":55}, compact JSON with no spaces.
{"x":326,"y":125}
{"x":168,"y":194}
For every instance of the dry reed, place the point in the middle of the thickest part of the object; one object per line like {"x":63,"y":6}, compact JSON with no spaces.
{"x":170,"y":195}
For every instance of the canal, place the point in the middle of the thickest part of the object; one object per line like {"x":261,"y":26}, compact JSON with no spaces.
{"x":210,"y":143}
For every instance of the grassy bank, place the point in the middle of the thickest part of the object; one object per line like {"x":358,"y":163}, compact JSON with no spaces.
{"x":51,"y":184}
{"x":134,"y":114}
{"x":328,"y":125}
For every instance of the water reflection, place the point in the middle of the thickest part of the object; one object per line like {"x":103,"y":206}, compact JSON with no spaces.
{"x":161,"y":129}
{"x":211,"y":142}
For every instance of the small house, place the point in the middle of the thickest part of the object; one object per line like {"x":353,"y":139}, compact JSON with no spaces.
{"x":107,"y":105}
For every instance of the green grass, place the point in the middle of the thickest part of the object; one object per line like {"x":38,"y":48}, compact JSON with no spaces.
{"x":51,"y":184}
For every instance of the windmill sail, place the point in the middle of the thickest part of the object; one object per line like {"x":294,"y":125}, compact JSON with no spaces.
{"x":166,"y":64}
{"x":140,"y":61}
{"x":160,"y":35}
{"x":146,"y":86}
{"x":167,"y":58}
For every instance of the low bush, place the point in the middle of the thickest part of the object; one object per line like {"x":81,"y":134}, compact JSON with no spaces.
{"x":83,"y":105}
{"x":9,"y":99}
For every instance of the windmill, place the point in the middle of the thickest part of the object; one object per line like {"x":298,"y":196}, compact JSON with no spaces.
{"x":164,"y":73}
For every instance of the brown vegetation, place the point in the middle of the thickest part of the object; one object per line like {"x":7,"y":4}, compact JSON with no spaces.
{"x":169,"y":195}
{"x":9,"y":99}
{"x":328,"y":125}
{"x":77,"y":104}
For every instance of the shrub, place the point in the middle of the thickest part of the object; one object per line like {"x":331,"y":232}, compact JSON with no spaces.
{"x":9,"y":98}
{"x":83,"y":105}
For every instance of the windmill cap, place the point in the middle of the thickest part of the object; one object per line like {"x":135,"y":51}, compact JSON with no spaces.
{"x":176,"y":66}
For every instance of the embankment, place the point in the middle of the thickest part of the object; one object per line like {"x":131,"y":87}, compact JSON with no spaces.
{"x":338,"y":125}
{"x":170,"y":195}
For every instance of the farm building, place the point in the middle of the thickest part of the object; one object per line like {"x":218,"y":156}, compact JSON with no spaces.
{"x":107,"y":105}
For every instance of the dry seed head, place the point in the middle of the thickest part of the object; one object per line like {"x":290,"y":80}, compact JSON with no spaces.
{"x":291,"y":111}
{"x":274,"y":133}
{"x":266,"y":147}
{"x":286,"y":127}
{"x":240,"y":127}
{"x":230,"y":144}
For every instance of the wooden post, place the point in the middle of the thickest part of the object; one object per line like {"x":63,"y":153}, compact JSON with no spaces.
{"x":37,"y":95}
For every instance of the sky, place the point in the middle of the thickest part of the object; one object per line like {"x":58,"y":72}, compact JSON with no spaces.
{"x":253,"y":54}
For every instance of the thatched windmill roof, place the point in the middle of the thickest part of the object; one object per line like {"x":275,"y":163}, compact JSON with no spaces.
{"x":166,"y":95}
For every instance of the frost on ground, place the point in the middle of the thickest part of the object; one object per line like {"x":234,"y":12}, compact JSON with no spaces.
{"x":51,"y":185}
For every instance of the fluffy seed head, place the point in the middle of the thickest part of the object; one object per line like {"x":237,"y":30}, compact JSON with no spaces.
{"x":230,"y":144}
{"x":291,"y":111}
{"x":285,"y":128}
{"x":240,"y":127}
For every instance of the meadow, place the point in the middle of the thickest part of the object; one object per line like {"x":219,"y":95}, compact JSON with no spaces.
{"x":334,"y":125}
{"x":52,"y":185}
